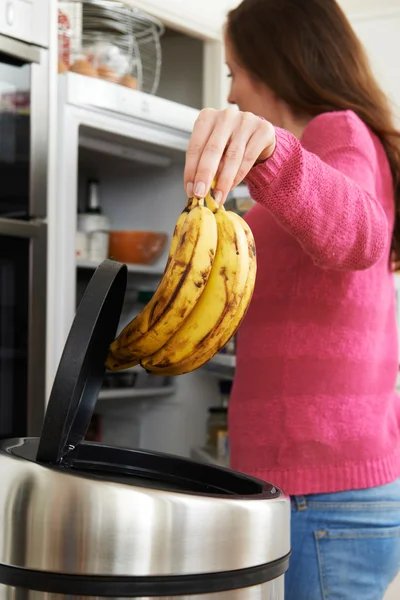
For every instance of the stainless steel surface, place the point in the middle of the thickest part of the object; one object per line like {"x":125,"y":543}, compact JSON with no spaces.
{"x":56,"y":521}
{"x":16,"y":228}
{"x":24,"y":52}
{"x":37,"y":333}
{"x":273,"y":590}
{"x":39,"y":135}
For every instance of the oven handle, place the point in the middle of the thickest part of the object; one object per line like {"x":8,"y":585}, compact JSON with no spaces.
{"x":24,"y":229}
{"x":25,"y":52}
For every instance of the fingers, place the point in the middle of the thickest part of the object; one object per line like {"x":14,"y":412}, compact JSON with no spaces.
{"x":206,"y":154}
{"x":227,"y":143}
{"x":256,"y":150}
{"x":237,"y":160}
{"x":202,"y":130}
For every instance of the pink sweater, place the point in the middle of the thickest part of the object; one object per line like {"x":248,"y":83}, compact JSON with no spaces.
{"x":313,"y":406}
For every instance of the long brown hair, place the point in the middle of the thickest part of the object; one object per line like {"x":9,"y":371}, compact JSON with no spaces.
{"x":308,"y":54}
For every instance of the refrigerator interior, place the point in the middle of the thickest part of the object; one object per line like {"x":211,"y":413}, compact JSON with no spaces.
{"x":141,"y":188}
{"x":134,"y":195}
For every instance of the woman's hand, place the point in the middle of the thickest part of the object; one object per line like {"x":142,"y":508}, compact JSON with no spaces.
{"x":225,"y":144}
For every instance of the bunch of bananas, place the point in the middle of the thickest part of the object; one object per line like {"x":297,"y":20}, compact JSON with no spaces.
{"x":202,"y":298}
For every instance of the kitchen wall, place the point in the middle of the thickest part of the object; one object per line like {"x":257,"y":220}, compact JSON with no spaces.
{"x":380,"y":35}
{"x":364,"y":6}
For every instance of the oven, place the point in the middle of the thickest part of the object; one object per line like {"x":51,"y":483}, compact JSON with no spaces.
{"x":24,"y":136}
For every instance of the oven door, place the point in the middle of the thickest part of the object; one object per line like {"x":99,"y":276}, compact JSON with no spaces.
{"x":23,"y":236}
{"x":22,"y":327}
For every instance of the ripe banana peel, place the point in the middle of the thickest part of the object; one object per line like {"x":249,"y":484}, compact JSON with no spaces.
{"x":202,"y":298}
{"x":220,"y":336}
{"x":180,"y":288}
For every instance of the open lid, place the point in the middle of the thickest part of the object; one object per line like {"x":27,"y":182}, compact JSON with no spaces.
{"x":81,"y":370}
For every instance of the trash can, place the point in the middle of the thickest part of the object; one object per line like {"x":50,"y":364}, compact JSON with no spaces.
{"x":81,"y":519}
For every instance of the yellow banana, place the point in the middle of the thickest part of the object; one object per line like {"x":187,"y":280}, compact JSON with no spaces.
{"x":221,"y":298}
{"x":212,"y":343}
{"x":182,"y":284}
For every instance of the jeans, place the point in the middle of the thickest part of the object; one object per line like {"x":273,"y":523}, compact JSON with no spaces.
{"x":346,"y":545}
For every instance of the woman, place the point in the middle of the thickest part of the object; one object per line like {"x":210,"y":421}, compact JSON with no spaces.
{"x":313,"y":407}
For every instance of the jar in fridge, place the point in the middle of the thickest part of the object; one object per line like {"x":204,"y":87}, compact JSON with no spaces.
{"x":217,"y":422}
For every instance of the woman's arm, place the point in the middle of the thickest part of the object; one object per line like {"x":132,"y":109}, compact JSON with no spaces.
{"x":327,"y":201}
{"x":321,"y":191}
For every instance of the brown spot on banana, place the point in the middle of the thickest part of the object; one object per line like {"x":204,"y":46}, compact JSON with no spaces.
{"x":180,"y":283}
{"x":153,"y":308}
{"x":235,"y":241}
{"x":174,"y":293}
{"x":180,"y":263}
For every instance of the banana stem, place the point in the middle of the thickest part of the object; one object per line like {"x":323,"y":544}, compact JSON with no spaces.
{"x":208,"y":200}
{"x":211,"y":204}
{"x":193,"y":202}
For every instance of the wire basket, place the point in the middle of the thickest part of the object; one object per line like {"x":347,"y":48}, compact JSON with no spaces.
{"x":121,"y":42}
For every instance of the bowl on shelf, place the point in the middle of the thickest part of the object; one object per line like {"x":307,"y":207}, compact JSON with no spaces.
{"x":137,"y":247}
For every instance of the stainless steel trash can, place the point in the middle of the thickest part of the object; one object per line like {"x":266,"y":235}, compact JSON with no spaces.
{"x":83,"y":520}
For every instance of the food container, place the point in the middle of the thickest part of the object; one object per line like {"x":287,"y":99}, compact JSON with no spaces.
{"x":81,"y":245}
{"x":95,"y":227}
{"x":64,"y":41}
{"x":119,"y":42}
{"x":137,"y":247}
{"x":217,"y":422}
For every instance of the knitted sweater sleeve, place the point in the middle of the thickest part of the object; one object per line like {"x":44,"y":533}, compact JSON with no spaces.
{"x":322,"y":191}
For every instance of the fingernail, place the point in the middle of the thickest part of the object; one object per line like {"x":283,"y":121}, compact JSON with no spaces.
{"x":200,"y":189}
{"x":218,"y":197}
{"x":189,"y":190}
